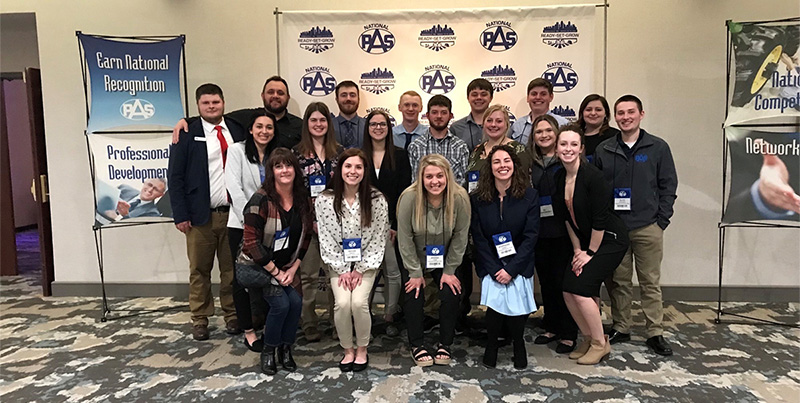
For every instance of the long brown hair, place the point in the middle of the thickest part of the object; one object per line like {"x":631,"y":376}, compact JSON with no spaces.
{"x":534,"y":149}
{"x":388,"y":141}
{"x":486,"y":190}
{"x":300,"y":193}
{"x":306,"y":145}
{"x":365,"y":191}
{"x":585,"y":102}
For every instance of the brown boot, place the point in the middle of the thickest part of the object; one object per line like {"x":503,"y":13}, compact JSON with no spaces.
{"x":582,"y":348}
{"x":596,"y":353}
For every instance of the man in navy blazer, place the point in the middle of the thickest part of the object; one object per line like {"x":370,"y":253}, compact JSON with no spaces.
{"x":200,"y":205}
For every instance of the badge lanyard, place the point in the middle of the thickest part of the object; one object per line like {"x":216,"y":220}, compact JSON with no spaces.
{"x":434,"y":254}
{"x":502,"y":241}
{"x":352,"y":246}
{"x":281,"y":239}
{"x":546,"y":202}
{"x":622,"y":196}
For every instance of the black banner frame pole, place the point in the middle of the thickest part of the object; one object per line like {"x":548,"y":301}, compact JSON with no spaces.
{"x":723,"y":226}
{"x":96,"y":229}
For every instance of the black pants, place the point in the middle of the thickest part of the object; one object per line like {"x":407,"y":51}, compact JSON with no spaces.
{"x":241,"y":298}
{"x":464,"y":274}
{"x":553,"y":257}
{"x":498,"y":324}
{"x":413,"y":308}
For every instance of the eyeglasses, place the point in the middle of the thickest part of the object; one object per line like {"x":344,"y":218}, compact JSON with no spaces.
{"x":382,"y":125}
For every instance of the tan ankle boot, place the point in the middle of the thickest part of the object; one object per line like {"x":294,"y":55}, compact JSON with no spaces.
{"x":596,"y":353}
{"x":582,"y":348}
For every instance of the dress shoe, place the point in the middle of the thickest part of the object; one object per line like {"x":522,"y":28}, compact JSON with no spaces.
{"x":596,"y":353}
{"x":392,"y":330}
{"x":544,"y":339}
{"x":615,"y":336}
{"x":581,"y":349}
{"x":269,"y":365}
{"x":257,"y":346}
{"x":659,"y":345}
{"x":200,"y":332}
{"x":285,"y":358}
{"x":562,"y":348}
{"x":232,"y":327}
{"x":360,"y":367}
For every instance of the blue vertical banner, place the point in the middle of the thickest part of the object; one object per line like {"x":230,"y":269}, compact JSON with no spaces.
{"x":133,"y":85}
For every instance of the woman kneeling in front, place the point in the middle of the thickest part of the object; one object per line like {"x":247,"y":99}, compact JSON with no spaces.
{"x":353,"y":226}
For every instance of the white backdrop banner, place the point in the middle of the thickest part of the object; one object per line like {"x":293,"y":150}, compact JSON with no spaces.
{"x":440,"y":52}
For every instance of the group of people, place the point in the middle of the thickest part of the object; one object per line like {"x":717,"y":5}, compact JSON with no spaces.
{"x":276,"y":198}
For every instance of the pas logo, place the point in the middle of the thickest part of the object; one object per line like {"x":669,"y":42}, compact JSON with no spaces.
{"x":317,"y":81}
{"x":437,"y":79}
{"x":498,"y":36}
{"x":377,"y":81}
{"x":352,"y":244}
{"x":392,"y":120}
{"x":502,"y":78}
{"x":137,"y":109}
{"x":511,"y":117}
{"x":317,"y":181}
{"x":622,"y":193}
{"x":437,"y":37}
{"x":565,"y":111}
{"x":501,"y":239}
{"x":641,"y":157}
{"x":560,"y":35}
{"x":316,"y":39}
{"x":435,"y":251}
{"x":561,"y":74}
{"x":376,"y":39}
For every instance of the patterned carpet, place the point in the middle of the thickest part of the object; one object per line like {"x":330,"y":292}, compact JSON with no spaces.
{"x":56,"y":350}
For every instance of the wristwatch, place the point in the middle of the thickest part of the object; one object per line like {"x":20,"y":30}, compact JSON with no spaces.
{"x":590,"y":252}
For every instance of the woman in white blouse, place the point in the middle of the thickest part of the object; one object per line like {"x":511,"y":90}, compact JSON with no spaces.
{"x":353,"y":227}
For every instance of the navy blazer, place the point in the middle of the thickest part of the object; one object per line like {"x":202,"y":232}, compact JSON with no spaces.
{"x":520,"y":217}
{"x":188,"y":173}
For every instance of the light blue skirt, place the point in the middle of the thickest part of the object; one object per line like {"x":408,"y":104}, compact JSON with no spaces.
{"x":512,"y":299}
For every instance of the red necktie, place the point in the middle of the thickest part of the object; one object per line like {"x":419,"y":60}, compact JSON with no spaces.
{"x":223,"y":145}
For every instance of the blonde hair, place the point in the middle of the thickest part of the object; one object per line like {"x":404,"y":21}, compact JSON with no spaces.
{"x":489,"y":111}
{"x":452,"y":190}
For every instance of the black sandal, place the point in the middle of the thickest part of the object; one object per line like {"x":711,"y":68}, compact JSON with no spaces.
{"x":417,"y":354}
{"x":442,"y":350}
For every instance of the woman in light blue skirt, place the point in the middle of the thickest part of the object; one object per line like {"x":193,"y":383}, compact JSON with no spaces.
{"x":505,"y":225}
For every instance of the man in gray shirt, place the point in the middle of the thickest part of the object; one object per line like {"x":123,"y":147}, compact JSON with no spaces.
{"x":348,"y":125}
{"x":479,"y":95}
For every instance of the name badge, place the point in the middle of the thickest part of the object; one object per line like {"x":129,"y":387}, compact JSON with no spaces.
{"x":545,"y":206}
{"x":622,"y":199}
{"x":434,"y":256}
{"x":317,"y":184}
{"x":504,"y":245}
{"x":281,"y":240}
{"x":352,"y":249}
{"x":200,"y":138}
{"x":472,"y":180}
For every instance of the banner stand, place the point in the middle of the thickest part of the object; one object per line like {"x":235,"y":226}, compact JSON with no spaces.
{"x":97,"y":229}
{"x":723,"y":226}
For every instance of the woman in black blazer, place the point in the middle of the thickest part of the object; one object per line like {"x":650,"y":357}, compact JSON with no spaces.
{"x":599,"y":240}
{"x":505,"y":225}
{"x":391,"y":174}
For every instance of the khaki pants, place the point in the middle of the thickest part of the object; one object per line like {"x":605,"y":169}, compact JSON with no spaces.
{"x":309,"y":276}
{"x":202,"y":243}
{"x":352,"y":306}
{"x":645,"y":254}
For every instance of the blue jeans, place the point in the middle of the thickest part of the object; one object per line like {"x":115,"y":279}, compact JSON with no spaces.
{"x":284,"y":315}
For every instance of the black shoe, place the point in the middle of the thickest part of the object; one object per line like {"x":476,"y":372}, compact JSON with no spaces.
{"x":562,"y":348}
{"x":615,"y":336}
{"x":360,"y":367}
{"x":520,"y":354}
{"x":268,"y":363}
{"x":346,"y":367}
{"x":659,"y":345}
{"x":257,"y":346}
{"x":285,"y":358}
{"x":543,"y":339}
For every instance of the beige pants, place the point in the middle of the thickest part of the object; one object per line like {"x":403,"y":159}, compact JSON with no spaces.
{"x":352,"y":306}
{"x":202,"y":243}
{"x":644,"y":254}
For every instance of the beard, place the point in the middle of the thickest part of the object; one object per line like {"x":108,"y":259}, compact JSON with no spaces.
{"x":275,"y":111}
{"x":436,"y":127}
{"x":347,"y":109}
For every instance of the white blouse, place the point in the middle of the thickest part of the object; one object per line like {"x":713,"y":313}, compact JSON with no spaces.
{"x":331,"y":233}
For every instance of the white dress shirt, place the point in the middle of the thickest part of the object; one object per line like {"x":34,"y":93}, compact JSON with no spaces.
{"x":216,"y":174}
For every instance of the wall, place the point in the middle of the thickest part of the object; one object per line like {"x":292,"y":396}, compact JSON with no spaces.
{"x":670,"y":53}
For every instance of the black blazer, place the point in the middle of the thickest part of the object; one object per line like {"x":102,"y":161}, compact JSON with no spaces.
{"x":190,"y":195}
{"x":392,"y":182}
{"x":592,"y":204}
{"x":520,"y":217}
